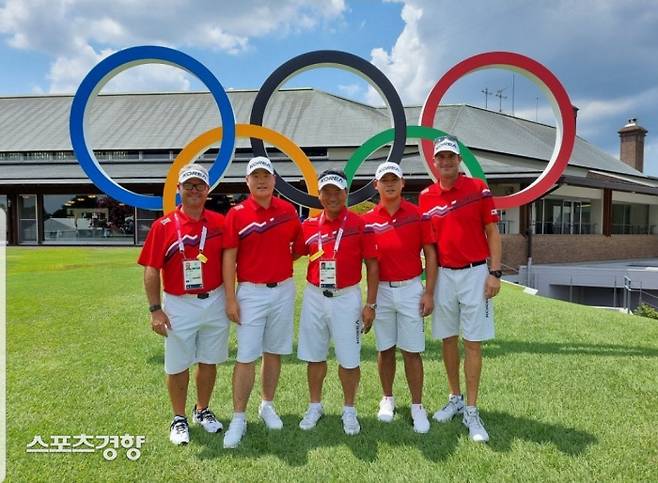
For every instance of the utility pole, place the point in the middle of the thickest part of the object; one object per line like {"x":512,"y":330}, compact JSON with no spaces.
{"x":500,"y":96}
{"x":486,"y":93}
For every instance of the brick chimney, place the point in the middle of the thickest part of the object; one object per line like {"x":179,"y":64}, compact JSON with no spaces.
{"x":631,"y":148}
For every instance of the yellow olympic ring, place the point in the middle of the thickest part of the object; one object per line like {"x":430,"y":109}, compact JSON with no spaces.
{"x":202,"y":142}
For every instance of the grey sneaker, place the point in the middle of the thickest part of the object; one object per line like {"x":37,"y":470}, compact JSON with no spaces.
{"x":351,"y":424}
{"x":179,"y":433}
{"x":455,"y":406}
{"x":207,"y":420}
{"x":311,"y":418}
{"x":269,"y":416}
{"x":236,"y":430}
{"x":475,"y":425}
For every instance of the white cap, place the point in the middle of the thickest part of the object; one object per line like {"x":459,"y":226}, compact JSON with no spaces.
{"x":446,"y":144}
{"x":259,"y":162}
{"x":333,"y":179}
{"x":193,"y":171}
{"x":388,"y":167}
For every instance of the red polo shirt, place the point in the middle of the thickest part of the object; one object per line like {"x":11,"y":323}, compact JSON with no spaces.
{"x":400,"y":239}
{"x":161,"y":249}
{"x":266,"y":239}
{"x":356,"y":244}
{"x":458,"y":217}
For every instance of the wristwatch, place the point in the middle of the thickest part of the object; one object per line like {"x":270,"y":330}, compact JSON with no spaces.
{"x":372,"y":306}
{"x":154,"y":308}
{"x":496,"y":273}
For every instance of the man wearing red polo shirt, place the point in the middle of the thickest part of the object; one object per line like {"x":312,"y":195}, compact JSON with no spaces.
{"x":337,"y":244}
{"x":185,"y":247}
{"x":402,"y":301}
{"x":263,"y":237}
{"x":465,"y":224}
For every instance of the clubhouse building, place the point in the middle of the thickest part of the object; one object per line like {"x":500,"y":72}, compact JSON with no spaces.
{"x":602,"y":208}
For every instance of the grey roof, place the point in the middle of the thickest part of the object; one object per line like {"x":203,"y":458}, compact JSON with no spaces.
{"x":168,"y":121}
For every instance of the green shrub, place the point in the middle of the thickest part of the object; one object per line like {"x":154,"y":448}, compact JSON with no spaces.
{"x":646,"y":310}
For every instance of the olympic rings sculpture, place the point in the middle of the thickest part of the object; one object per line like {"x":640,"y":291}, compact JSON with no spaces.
{"x":396,"y":136}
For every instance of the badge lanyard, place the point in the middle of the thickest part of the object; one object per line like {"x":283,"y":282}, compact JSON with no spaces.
{"x":202,"y":242}
{"x":192,"y":269}
{"x":339,"y":237}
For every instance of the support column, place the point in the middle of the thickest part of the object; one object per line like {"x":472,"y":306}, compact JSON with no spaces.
{"x":607,"y":212}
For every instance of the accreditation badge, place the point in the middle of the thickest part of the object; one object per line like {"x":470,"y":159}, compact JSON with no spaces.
{"x":193,"y":274}
{"x":328,"y":274}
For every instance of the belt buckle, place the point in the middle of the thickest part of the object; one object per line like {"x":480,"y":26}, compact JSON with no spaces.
{"x":202,"y":296}
{"x":271,"y":285}
{"x":395,"y":284}
{"x":327,"y":293}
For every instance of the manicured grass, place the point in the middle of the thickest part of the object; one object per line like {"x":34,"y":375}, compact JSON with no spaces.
{"x":568,"y":392}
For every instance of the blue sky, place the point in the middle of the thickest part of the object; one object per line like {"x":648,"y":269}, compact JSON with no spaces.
{"x":604,"y":52}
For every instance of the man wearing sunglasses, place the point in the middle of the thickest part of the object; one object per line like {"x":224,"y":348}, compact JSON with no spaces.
{"x":184,"y":247}
{"x":464,"y":220}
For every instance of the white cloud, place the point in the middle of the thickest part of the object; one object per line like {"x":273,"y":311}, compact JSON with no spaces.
{"x":349,"y":90}
{"x":603,"y":52}
{"x":408,"y":63}
{"x":78,"y":33}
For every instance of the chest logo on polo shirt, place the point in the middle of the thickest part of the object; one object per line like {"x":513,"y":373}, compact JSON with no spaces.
{"x":328,"y":237}
{"x":165,"y":221}
{"x":443,"y":210}
{"x":188,"y":240}
{"x":262,"y":227}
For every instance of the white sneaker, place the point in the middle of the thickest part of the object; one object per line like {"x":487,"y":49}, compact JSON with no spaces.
{"x":351,"y":424}
{"x":179,"y":431}
{"x":269,"y":416}
{"x":455,"y":406}
{"x":311,"y":417}
{"x":419,"y":417}
{"x":386,"y":409}
{"x":236,"y":430}
{"x":207,"y":420}
{"x":475,"y":426}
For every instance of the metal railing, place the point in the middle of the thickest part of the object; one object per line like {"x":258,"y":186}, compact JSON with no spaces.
{"x":644,"y":297}
{"x":626,"y":229}
{"x":548,"y":228}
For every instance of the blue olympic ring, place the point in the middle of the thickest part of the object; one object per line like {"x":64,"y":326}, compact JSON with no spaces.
{"x":108,"y":68}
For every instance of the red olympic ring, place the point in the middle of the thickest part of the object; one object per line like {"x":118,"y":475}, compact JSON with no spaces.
{"x":565,"y":132}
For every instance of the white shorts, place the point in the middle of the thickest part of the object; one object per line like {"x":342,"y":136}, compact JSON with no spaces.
{"x":398,"y":319}
{"x":460,"y":305}
{"x":199,"y":330}
{"x":266,"y":319}
{"x":325,"y":318}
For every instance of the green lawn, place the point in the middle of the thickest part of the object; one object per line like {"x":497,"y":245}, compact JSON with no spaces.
{"x":568,"y":392}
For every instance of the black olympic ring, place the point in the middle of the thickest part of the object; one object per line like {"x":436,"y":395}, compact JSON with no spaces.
{"x":332,"y":58}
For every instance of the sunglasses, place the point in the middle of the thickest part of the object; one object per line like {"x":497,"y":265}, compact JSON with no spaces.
{"x":201,"y":187}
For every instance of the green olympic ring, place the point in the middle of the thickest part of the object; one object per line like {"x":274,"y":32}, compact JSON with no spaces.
{"x":414,"y":132}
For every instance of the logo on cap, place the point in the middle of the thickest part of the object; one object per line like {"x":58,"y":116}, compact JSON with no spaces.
{"x":333,"y":179}
{"x":259,"y":162}
{"x":193,"y":171}
{"x":446,"y":144}
{"x":388,"y":167}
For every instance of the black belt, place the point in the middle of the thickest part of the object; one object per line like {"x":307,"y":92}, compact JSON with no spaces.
{"x":470,"y":265}
{"x":202,"y":296}
{"x":272,"y":285}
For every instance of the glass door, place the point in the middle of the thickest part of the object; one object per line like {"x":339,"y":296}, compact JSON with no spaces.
{"x":27,"y":219}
